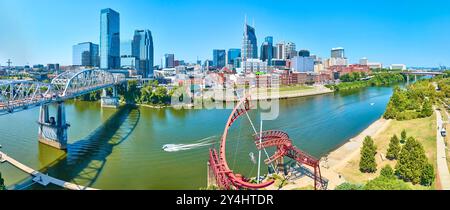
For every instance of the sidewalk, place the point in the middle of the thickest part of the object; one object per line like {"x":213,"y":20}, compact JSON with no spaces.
{"x":442,"y":167}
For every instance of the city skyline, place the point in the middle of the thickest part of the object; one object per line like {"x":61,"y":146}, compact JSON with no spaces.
{"x":44,"y":35}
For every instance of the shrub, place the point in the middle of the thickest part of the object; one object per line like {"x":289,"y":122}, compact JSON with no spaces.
{"x":384,"y":183}
{"x":349,"y":186}
{"x":387,"y":172}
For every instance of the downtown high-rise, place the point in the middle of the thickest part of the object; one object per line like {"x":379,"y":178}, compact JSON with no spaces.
{"x":267,"y":49}
{"x":85,"y":54}
{"x":142,"y":51}
{"x":109,"y":39}
{"x":219,"y":58}
{"x":249,"y":43}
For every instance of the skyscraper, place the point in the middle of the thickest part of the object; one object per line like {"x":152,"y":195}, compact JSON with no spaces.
{"x":280,"y":51}
{"x":142,"y":47}
{"x":233,"y":54}
{"x":169,"y":58}
{"x":127,"y":60}
{"x":109,"y":39}
{"x":267,"y":50}
{"x":304,"y":53}
{"x":290,"y":50}
{"x":249,"y":43}
{"x":337,"y":52}
{"x":219,"y":58}
{"x":85,"y":54}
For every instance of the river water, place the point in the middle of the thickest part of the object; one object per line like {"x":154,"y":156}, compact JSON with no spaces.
{"x":123,"y":148}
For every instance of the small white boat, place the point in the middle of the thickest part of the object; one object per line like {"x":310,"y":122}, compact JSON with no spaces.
{"x":371,"y":104}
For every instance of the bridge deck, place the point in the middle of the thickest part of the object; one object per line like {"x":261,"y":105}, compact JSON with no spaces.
{"x":40,"y":177}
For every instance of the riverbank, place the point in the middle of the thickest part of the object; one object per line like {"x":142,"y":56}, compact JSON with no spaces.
{"x":280,"y":93}
{"x":344,"y":161}
{"x":337,"y":160}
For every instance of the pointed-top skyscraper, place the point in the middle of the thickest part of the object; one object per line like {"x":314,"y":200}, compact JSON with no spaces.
{"x":249,"y":43}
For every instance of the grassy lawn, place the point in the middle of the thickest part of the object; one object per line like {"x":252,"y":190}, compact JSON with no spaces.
{"x":424,"y":130}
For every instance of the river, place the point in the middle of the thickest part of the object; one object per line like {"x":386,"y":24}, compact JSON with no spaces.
{"x":122,"y":149}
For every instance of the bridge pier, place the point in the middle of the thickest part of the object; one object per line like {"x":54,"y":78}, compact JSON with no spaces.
{"x":53,"y":130}
{"x":110,"y":101}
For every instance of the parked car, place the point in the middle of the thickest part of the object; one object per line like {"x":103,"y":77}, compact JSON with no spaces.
{"x":443,"y":132}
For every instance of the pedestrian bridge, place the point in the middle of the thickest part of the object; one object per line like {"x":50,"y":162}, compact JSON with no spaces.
{"x":18,"y":95}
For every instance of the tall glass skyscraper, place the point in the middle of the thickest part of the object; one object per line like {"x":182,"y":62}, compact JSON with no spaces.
{"x":142,"y":47}
{"x":109,"y":39}
{"x":219,"y":58}
{"x":267,"y":50}
{"x":233,"y":54}
{"x":249,"y":44}
{"x":85,"y":54}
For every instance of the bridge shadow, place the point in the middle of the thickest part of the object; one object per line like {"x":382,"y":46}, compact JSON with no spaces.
{"x":86,"y":158}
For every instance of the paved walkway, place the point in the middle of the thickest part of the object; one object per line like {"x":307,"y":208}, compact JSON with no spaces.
{"x":442,"y":167}
{"x":40,"y":177}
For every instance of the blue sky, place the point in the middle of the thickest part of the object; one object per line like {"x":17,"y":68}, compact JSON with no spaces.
{"x":416,"y":33}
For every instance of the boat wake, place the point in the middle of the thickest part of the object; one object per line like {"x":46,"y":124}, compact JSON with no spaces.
{"x":183,"y":147}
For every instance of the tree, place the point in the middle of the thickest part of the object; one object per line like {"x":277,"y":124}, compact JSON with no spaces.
{"x":349,"y":186}
{"x":403,"y":137}
{"x":394,"y":148}
{"x":367,"y":163}
{"x":427,"y":175}
{"x":427,"y":109}
{"x":385,"y":183}
{"x":2,"y":182}
{"x":412,"y":162}
{"x":387,"y":172}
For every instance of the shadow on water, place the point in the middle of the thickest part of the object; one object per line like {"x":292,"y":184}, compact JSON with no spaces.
{"x":85,"y":159}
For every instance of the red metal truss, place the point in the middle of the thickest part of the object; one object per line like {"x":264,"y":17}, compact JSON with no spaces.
{"x":224,"y":176}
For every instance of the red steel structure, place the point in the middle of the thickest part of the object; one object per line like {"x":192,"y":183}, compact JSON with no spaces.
{"x":224,"y":176}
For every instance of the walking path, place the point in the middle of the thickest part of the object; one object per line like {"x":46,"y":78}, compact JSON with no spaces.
{"x":40,"y":177}
{"x":442,"y":167}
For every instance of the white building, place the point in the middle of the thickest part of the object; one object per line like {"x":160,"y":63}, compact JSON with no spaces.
{"x":302,"y":64}
{"x":375,"y":65}
{"x":398,"y":67}
{"x":364,"y":61}
{"x":254,"y":65}
{"x":338,"y":61}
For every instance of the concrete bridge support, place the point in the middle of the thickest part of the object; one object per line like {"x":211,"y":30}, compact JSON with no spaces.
{"x":53,"y":130}
{"x":110,"y":101}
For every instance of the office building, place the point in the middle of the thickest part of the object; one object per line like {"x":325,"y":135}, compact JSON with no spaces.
{"x":337,"y":52}
{"x":127,"y":61}
{"x":109,"y":39}
{"x":280,"y":52}
{"x":232,"y":55}
{"x":219,"y":58}
{"x":290,"y":50}
{"x":142,"y":51}
{"x":249,"y":43}
{"x":267,"y":50}
{"x":302,"y":64}
{"x":169,"y":60}
{"x":85,"y":54}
